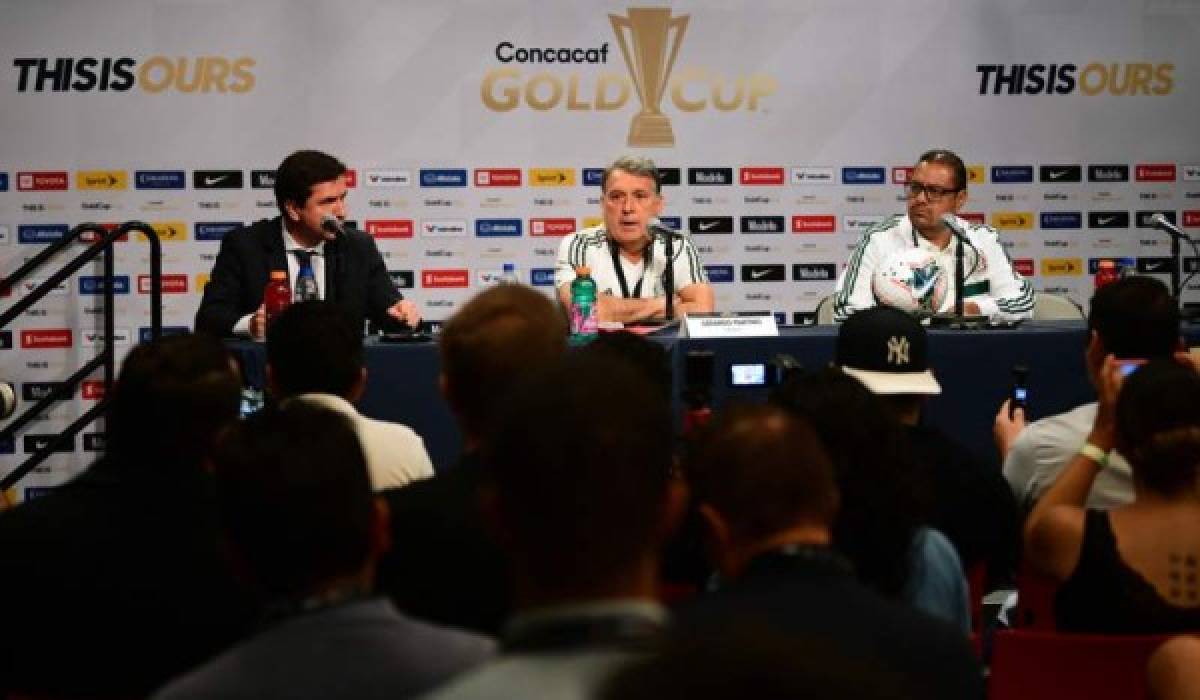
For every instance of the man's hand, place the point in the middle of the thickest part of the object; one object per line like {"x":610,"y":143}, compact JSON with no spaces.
{"x":1005,"y":430}
{"x":970,"y":308}
{"x":258,"y":323}
{"x":405,"y":311}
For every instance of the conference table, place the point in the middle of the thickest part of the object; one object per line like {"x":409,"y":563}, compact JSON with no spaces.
{"x":973,"y":366}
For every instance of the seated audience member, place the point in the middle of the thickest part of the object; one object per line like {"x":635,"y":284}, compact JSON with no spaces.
{"x":1134,"y":569}
{"x":765,"y":488}
{"x":299,"y":517}
{"x":579,"y":493}
{"x":969,"y":503}
{"x":116,"y":581}
{"x":315,"y":354}
{"x":1134,"y":317}
{"x":444,"y":567}
{"x":1174,"y":670}
{"x":884,"y":496}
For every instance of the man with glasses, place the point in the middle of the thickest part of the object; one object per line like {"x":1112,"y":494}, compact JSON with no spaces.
{"x":938,"y":186}
{"x":627,"y":254}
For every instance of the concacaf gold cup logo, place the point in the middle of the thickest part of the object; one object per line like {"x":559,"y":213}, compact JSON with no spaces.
{"x":649,"y":41}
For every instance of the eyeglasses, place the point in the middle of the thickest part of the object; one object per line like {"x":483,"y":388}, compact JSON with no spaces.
{"x":912,"y":190}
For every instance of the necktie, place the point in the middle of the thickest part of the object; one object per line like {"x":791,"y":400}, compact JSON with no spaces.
{"x":306,"y":282}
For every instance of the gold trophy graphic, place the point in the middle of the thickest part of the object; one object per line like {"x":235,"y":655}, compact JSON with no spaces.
{"x":649,"y":29}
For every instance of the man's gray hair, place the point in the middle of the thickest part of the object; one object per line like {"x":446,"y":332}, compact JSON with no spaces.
{"x":634,"y":165}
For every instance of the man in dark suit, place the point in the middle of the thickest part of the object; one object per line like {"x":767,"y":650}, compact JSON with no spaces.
{"x":765,"y":489}
{"x":310,"y":189}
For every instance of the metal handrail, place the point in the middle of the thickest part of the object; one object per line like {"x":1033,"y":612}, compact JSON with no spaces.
{"x":106,"y":358}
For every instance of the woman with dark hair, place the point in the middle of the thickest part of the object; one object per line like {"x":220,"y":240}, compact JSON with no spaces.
{"x":884,"y":495}
{"x":1134,"y":569}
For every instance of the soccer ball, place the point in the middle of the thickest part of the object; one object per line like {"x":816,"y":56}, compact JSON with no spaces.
{"x":911,"y":280}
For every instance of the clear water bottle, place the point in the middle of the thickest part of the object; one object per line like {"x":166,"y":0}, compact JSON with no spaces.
{"x":509,"y":275}
{"x":583,"y":306}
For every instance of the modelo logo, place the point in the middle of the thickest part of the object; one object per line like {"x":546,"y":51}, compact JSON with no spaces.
{"x":1108,"y":173}
{"x":497,"y":228}
{"x":204,"y":74}
{"x":814,"y":272}
{"x":445,"y":279}
{"x":1143,"y":218}
{"x":36,"y":391}
{"x":542,"y":277}
{"x":262,"y":179}
{"x":1008,"y":174}
{"x":389,"y":228}
{"x":171,"y":284}
{"x":52,"y":181}
{"x":710,"y":176}
{"x":761,"y":176}
{"x":91,"y":285}
{"x":402,"y":279}
{"x":814,"y":223}
{"x":159,"y":179}
{"x":719,"y":274}
{"x":1154,"y":266}
{"x":94,"y":442}
{"x":762,"y":224}
{"x":37,"y":443}
{"x":6,"y":340}
{"x":41,"y":233}
{"x":1061,"y":219}
{"x":1060,"y":79}
{"x":443,"y":178}
{"x":863,"y":176}
{"x":551,"y":227}
{"x":214,"y":230}
{"x":498,"y":177}
{"x":1060,"y":173}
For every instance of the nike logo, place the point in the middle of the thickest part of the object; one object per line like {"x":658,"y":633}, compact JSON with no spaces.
{"x":759,"y":274}
{"x":1055,"y":174}
{"x":1105,"y":220}
{"x":707,"y":225}
{"x":210,"y":180}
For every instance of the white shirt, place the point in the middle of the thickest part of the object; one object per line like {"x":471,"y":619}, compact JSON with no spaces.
{"x":591,"y":247}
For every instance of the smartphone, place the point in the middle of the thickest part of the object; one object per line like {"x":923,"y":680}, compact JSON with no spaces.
{"x":749,"y":374}
{"x":1019,"y":396}
{"x":1130,"y":366}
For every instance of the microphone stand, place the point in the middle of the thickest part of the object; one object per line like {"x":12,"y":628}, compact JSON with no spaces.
{"x":958,"y":274}
{"x":958,"y":319}
{"x":668,"y":274}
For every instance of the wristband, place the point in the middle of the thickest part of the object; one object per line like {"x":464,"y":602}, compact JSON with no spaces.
{"x":1094,"y":453}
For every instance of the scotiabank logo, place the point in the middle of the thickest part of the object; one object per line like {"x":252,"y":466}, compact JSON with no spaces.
{"x":1191,"y":218}
{"x":390,"y":228}
{"x":498,"y":177}
{"x":93,"y":390}
{"x":814,"y":223}
{"x":1155,"y":172}
{"x":1024,"y":266}
{"x":551,"y":227}
{"x":46,"y":338}
{"x":41,"y":180}
{"x":761,"y":176}
{"x":171,"y":284}
{"x":437,"y":279}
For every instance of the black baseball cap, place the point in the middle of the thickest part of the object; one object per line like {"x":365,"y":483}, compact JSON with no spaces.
{"x":887,"y":350}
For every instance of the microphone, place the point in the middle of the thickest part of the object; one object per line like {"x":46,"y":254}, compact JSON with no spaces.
{"x":656,"y":225}
{"x":332,"y":227}
{"x":951,"y":222}
{"x":1160,"y":222}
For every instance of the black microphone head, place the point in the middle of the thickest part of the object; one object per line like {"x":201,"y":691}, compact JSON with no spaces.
{"x":332,"y":226}
{"x":951,"y":222}
{"x":1158,"y":220}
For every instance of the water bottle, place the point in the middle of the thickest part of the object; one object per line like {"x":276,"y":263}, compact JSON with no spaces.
{"x":509,"y":275}
{"x":1106,"y":273}
{"x":277,"y":296}
{"x":583,"y":306}
{"x":306,"y":285}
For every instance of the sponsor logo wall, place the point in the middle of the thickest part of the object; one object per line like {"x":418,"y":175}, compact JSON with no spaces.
{"x":487,"y":145}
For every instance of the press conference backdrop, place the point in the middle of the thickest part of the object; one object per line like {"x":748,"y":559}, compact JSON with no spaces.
{"x":476,"y":132}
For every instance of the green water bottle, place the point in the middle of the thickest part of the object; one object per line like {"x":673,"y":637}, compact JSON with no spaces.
{"x":583,"y":306}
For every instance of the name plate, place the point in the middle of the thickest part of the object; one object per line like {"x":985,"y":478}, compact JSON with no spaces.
{"x":722,"y":326}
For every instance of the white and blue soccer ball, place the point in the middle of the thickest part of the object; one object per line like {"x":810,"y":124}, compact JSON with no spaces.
{"x":912,"y":280}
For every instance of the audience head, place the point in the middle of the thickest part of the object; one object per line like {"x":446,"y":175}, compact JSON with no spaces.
{"x":1134,"y":317}
{"x":1158,"y":426}
{"x":882,"y":497}
{"x":313,"y":347}
{"x":887,"y":350}
{"x":756,"y":473}
{"x":497,"y":337}
{"x":296,"y":175}
{"x":170,"y":400}
{"x":577,"y":474}
{"x":640,"y":352}
{"x":295,"y":499}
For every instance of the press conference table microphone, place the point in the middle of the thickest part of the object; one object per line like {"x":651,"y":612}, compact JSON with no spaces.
{"x":332,"y":227}
{"x":1159,"y":221}
{"x":957,"y":319}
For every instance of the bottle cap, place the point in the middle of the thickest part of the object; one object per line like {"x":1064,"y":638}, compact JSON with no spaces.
{"x":583,"y":271}
{"x":1107,"y":263}
{"x":279,"y":274}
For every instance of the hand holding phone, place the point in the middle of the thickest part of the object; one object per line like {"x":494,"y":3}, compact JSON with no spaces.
{"x":1019,"y":395}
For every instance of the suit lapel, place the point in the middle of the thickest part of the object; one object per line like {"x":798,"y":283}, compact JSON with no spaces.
{"x":333,"y":269}
{"x":275,"y":257}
